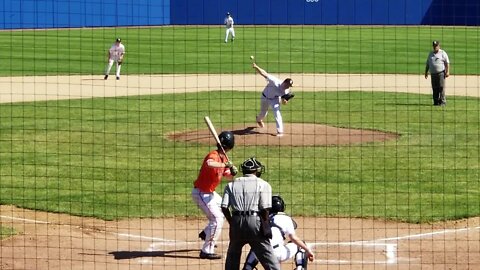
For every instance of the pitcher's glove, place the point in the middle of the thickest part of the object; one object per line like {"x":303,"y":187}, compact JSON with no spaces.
{"x":120,"y":62}
{"x":288,"y":96}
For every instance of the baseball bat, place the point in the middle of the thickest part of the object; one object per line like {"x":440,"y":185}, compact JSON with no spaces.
{"x":214,"y":134}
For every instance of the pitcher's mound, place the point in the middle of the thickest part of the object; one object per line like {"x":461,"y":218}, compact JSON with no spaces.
{"x":296,"y":134}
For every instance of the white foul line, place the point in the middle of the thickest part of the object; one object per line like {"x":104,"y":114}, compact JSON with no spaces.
{"x":25,"y":220}
{"x":127,"y":235}
{"x":422,"y":235}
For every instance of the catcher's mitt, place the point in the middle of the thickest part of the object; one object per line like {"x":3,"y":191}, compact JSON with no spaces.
{"x":288,"y":96}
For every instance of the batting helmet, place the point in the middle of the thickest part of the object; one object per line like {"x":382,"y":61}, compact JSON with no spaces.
{"x":227,"y":139}
{"x":253,"y":166}
{"x":278,"y":205}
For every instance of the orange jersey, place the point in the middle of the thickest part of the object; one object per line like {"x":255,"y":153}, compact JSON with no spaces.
{"x":209,"y":178}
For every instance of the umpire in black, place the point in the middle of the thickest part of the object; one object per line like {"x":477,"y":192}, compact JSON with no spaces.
{"x":249,"y":198}
{"x":439,"y":66}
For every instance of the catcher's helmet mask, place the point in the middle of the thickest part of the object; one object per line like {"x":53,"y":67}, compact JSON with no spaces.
{"x":278,"y":204}
{"x":227,"y":139}
{"x":253,"y":166}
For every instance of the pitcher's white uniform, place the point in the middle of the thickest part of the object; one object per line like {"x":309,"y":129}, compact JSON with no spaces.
{"x":115,"y":54}
{"x":271,"y":97}
{"x":229,"y":27}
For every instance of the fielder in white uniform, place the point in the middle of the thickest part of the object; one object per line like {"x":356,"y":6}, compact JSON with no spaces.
{"x":283,"y":227}
{"x":229,"y":27}
{"x":272,"y":97}
{"x":115,"y":54}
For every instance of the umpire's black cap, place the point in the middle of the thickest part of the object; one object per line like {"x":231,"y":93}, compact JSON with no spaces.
{"x":435,"y":43}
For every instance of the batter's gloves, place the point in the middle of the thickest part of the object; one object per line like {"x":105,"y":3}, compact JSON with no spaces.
{"x":233,"y":171}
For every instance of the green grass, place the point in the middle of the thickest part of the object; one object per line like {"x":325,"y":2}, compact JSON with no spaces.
{"x":187,"y":49}
{"x":108,"y":157}
{"x":6,"y":232}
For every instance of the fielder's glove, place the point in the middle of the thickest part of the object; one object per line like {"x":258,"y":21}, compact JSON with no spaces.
{"x":288,"y":96}
{"x":120,"y":62}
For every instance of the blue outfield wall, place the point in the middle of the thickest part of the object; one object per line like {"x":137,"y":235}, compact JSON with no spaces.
{"x":16,"y":14}
{"x":277,"y":12}
{"x":329,"y":12}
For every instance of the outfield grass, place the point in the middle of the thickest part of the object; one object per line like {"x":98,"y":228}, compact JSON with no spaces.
{"x":187,"y":49}
{"x":108,"y":158}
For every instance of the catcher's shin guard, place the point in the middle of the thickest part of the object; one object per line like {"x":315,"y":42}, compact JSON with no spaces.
{"x":251,"y":261}
{"x":300,"y":260}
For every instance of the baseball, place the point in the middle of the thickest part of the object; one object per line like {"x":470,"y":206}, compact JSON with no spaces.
{"x":251,"y":57}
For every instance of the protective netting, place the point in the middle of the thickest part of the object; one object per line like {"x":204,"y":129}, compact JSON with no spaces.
{"x":107,"y":161}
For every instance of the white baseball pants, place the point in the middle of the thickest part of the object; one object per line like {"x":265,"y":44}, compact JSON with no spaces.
{"x":282,"y":252}
{"x":229,"y":31}
{"x":109,"y":67}
{"x":210,"y":203}
{"x":275,"y":104}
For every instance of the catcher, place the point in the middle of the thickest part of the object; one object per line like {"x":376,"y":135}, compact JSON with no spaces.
{"x":273,"y":94}
{"x":115,"y":54}
{"x":283,"y":227}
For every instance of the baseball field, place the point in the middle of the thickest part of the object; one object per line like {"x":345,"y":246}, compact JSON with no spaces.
{"x":98,"y":173}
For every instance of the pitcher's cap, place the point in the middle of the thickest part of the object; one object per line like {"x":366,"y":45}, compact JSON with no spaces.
{"x":118,"y":40}
{"x":435,"y":43}
{"x":289,"y":82}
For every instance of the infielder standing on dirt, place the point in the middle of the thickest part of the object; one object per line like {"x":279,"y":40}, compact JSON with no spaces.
{"x":115,"y":54}
{"x":275,"y":92}
{"x":283,"y":227}
{"x":215,"y":166}
{"x":439,"y":66}
{"x":228,"y":22}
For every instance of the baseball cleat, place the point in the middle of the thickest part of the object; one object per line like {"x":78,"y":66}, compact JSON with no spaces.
{"x":280,"y":134}
{"x":260,"y":124}
{"x":210,"y":256}
{"x":106,"y":77}
{"x":118,"y":78}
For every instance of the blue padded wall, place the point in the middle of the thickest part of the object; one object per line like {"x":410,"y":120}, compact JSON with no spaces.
{"x":15,"y":14}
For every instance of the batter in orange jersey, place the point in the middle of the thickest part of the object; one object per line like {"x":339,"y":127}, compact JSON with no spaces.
{"x":215,"y":166}
{"x":211,"y":176}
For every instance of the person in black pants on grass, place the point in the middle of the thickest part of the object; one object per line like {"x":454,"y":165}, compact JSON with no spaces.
{"x":439,"y":66}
